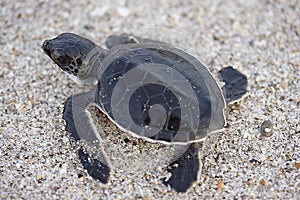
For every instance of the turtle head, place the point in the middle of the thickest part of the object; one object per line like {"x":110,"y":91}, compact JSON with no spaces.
{"x":69,"y":52}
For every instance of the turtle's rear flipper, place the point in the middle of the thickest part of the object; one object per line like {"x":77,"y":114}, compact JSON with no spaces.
{"x":185,"y":170}
{"x":235,"y":84}
{"x":81,"y":128}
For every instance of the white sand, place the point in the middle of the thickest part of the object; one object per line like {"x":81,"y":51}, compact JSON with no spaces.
{"x":37,"y":158}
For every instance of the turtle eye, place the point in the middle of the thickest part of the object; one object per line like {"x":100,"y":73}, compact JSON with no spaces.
{"x":55,"y":55}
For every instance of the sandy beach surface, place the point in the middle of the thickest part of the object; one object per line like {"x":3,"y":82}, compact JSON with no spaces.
{"x":38,"y":159}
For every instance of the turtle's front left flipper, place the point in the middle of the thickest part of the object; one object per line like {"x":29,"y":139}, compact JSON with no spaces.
{"x":79,"y":124}
{"x":124,"y":38}
{"x":186,"y":169}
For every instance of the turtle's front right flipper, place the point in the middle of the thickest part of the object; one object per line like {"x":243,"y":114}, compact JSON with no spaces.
{"x":79,"y":124}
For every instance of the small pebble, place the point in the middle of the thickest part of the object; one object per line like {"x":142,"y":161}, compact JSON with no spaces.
{"x":100,"y":11}
{"x":220,"y":185}
{"x":266,"y":128}
{"x":263,"y":182}
{"x":249,"y":182}
{"x":123,"y":11}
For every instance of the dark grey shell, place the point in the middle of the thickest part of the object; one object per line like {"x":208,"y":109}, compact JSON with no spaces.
{"x":159,"y":92}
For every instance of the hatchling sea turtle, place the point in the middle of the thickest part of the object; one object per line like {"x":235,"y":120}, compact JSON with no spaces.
{"x":149,"y":89}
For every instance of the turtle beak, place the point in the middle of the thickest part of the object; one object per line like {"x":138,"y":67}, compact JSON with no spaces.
{"x":46,"y":47}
